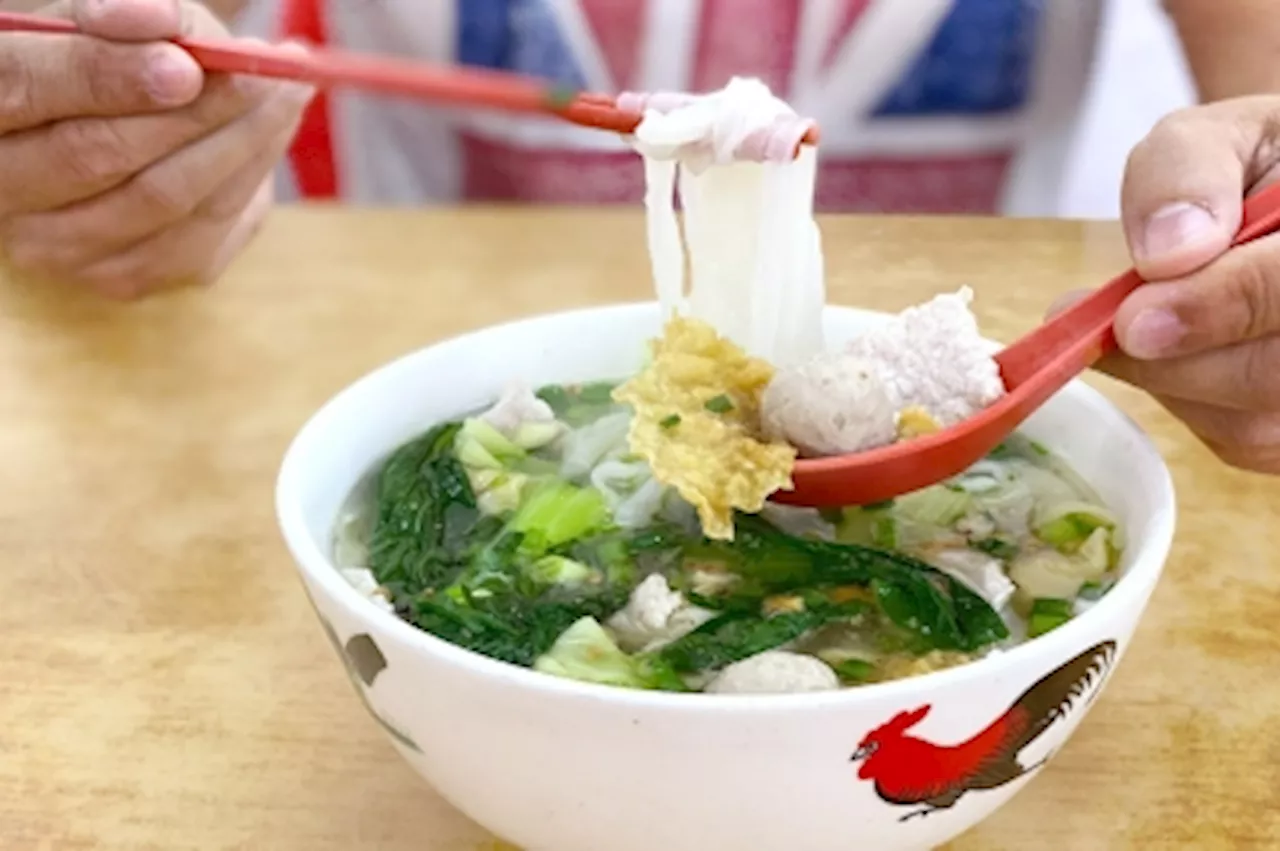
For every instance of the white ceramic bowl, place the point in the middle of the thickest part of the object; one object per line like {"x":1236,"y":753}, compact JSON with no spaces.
{"x":555,"y":765}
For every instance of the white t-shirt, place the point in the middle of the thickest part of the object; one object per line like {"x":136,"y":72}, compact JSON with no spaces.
{"x":924,"y":105}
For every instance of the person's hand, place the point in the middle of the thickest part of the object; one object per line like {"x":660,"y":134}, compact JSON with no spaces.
{"x":1204,"y":336}
{"x":122,"y":166}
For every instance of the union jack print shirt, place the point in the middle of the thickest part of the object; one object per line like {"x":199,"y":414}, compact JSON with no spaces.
{"x":925,"y":105}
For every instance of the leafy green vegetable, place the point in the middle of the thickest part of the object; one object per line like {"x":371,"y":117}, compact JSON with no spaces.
{"x":530,"y":578}
{"x":511,"y":627}
{"x":721,"y":404}
{"x":733,"y":636}
{"x":939,"y":609}
{"x":585,"y":652}
{"x":1047,"y":614}
{"x":740,"y":631}
{"x":426,"y":514}
{"x":669,"y":421}
{"x":763,"y":556}
{"x":557,"y":512}
{"x":660,"y":536}
{"x":492,"y":567}
{"x":502,"y":607}
{"x":935,"y":610}
{"x":748,"y":603}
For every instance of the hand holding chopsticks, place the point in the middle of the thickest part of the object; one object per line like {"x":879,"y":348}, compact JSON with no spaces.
{"x":123,"y":168}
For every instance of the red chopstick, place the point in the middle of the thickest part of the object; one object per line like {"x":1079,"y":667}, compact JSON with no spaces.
{"x":443,"y":84}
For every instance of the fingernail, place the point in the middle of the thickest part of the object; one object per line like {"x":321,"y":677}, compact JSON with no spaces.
{"x":1175,"y":226}
{"x":1153,"y":333}
{"x":171,"y":75}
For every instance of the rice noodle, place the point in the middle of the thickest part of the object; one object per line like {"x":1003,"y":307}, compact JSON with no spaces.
{"x":754,"y":251}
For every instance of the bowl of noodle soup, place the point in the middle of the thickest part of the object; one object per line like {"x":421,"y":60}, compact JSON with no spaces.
{"x":556,"y":764}
{"x":545,"y":551}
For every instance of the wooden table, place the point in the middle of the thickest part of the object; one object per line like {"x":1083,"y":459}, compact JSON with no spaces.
{"x":165,"y":686}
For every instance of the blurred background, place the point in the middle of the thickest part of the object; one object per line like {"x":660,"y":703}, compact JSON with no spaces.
{"x":1139,"y":76}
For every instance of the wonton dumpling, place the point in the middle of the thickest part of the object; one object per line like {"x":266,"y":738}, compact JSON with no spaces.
{"x":655,"y":616}
{"x":517,"y":406}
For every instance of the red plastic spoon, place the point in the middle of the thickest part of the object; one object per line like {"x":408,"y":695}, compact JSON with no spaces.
{"x":1033,"y":368}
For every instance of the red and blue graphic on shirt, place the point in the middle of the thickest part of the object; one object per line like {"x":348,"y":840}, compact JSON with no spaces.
{"x":978,"y":64}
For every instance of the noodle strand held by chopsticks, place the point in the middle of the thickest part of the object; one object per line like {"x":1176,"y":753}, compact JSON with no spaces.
{"x":754,"y":250}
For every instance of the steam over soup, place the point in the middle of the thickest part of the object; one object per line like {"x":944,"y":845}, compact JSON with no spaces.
{"x":530,"y":533}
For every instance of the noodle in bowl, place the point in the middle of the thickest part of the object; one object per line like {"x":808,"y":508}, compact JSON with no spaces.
{"x":557,"y":765}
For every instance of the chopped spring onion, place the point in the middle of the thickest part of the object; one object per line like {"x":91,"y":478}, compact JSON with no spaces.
{"x":1047,"y":614}
{"x":1067,"y":525}
{"x":854,"y":670}
{"x":721,"y":404}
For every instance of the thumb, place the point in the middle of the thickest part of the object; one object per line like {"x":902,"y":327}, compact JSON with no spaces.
{"x":1184,"y":183}
{"x":132,"y":20}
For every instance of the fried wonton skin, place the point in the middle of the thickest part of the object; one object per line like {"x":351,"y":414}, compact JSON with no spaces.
{"x":697,"y":424}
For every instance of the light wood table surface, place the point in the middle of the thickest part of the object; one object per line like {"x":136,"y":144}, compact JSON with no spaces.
{"x":164,"y":684}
